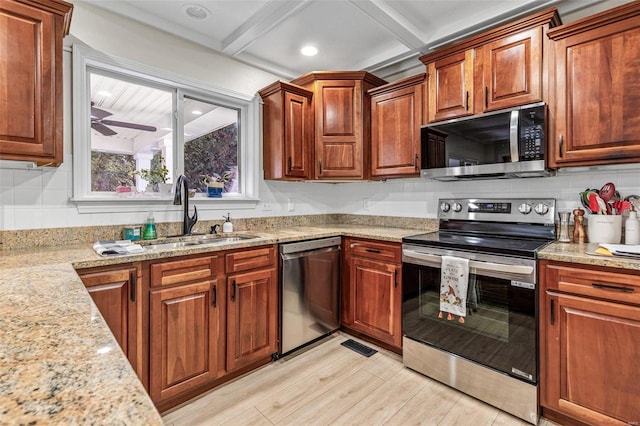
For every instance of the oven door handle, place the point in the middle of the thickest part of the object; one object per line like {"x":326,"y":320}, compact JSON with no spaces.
{"x":479,"y":265}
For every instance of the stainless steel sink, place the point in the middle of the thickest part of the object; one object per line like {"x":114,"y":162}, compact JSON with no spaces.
{"x":201,"y":240}
{"x":177,"y":244}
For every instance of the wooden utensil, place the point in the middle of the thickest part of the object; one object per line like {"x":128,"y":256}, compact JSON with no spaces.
{"x":607,"y":191}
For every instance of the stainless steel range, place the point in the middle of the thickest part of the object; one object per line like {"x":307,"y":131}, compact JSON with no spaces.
{"x":489,"y":349}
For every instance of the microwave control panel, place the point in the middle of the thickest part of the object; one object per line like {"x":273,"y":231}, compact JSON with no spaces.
{"x":532,"y":133}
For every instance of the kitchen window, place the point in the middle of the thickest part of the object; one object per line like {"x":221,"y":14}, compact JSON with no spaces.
{"x":135,"y":126}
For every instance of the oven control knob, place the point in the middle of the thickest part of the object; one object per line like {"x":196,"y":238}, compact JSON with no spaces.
{"x":457,"y":207}
{"x":445,"y":207}
{"x":541,"y":209}
{"x":524,"y":208}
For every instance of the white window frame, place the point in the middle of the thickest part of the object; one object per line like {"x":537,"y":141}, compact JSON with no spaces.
{"x":248,"y":133}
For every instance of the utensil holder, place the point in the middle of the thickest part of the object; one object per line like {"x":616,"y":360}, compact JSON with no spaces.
{"x":604,"y":228}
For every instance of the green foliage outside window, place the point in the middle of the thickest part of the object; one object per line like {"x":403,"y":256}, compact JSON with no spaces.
{"x":215,"y":153}
{"x":109,"y":170}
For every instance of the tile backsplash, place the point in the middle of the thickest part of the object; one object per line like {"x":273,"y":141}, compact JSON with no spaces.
{"x":40,"y":198}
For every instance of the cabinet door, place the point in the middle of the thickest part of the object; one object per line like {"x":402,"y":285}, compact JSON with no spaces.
{"x":115,"y":293}
{"x":451,"y":86}
{"x":252,"y":317}
{"x":375,"y":299}
{"x":339,"y":144}
{"x":184,"y":337}
{"x":31,"y":87}
{"x":297,"y":135}
{"x":511,"y":70}
{"x":395,"y":133}
{"x":597,"y":96}
{"x":589,"y":351}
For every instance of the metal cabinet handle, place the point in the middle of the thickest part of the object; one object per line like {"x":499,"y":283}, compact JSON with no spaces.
{"x":560,"y":143}
{"x":320,"y":162}
{"x":370,"y":250}
{"x":289,"y":164}
{"x":133,"y":279}
{"x":552,"y":311}
{"x":395,"y":279}
{"x":613,"y":287}
{"x":233,"y":290}
{"x":415,"y":162}
{"x":486,"y":97}
{"x":467,"y":101}
{"x":214,"y":296}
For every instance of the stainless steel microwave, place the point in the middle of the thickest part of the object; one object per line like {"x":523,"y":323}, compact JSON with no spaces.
{"x":499,"y":144}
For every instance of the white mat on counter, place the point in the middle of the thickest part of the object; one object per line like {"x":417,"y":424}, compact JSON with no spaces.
{"x":109,"y":248}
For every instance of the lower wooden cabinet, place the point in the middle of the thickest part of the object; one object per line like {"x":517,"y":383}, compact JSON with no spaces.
{"x":252,"y":315}
{"x":372,"y":290}
{"x":211,"y":317}
{"x":117,"y":296}
{"x":590,"y":329}
{"x":185,"y":337}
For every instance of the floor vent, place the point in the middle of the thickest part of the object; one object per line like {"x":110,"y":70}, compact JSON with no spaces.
{"x":358,"y":347}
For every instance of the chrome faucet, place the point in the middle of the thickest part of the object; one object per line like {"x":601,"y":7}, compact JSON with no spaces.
{"x":187,"y":222}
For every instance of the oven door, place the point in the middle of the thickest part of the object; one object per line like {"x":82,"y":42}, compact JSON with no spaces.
{"x":499,"y":330}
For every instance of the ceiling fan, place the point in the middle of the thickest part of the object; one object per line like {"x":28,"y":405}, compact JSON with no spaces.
{"x":99,"y":124}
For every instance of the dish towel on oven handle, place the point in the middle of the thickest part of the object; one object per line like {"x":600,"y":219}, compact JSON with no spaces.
{"x":454,"y":283}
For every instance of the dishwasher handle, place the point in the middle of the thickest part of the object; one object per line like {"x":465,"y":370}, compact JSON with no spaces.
{"x":299,"y":254}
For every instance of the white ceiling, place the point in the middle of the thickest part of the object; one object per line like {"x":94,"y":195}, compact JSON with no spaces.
{"x":384,"y":37}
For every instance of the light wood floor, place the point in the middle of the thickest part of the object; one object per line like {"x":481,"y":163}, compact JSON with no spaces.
{"x":328,"y":384}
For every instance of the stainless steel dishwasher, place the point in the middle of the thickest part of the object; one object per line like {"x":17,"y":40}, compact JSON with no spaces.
{"x":309,"y":291}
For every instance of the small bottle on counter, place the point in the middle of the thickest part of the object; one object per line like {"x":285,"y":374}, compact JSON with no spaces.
{"x":632,"y":228}
{"x":150,"y":228}
{"x":578,"y":226}
{"x":227,"y":226}
{"x":563,"y":236}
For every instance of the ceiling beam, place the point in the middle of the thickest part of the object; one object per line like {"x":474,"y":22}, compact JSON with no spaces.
{"x":271,"y":14}
{"x":393,"y":21}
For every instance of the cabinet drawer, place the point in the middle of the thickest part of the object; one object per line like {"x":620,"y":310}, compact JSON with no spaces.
{"x":592,"y":282}
{"x":251,"y":259}
{"x":179,"y":271}
{"x":372,"y":250}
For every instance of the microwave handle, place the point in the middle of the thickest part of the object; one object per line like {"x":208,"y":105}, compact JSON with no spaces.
{"x":514,"y":136}
{"x":481,"y":266}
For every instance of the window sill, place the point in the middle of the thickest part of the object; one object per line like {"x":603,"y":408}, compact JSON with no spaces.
{"x":142,"y":204}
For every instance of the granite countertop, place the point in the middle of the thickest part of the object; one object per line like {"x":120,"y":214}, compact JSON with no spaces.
{"x":579,"y":253}
{"x":59,"y":362}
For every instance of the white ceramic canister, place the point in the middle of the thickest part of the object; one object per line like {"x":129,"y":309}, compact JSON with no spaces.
{"x":604,"y":228}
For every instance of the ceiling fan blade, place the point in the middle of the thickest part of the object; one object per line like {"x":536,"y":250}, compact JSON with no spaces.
{"x":129,"y":125}
{"x":102,"y":129}
{"x":99,"y":114}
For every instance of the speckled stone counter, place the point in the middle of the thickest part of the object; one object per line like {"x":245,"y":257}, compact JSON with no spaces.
{"x":578,"y":253}
{"x":59,"y":363}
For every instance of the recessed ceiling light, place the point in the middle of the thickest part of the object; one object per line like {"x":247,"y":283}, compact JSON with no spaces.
{"x":104,"y":93}
{"x":196,"y":112}
{"x":196,"y":11}
{"x":309,"y":51}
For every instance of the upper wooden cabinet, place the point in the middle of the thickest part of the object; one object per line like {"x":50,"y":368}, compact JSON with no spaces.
{"x":511,"y":70}
{"x":450,"y":86}
{"x":287,"y":131}
{"x":396,"y":117}
{"x":342,"y":126}
{"x":596,"y":119}
{"x":31,"y":113}
{"x":500,"y":68}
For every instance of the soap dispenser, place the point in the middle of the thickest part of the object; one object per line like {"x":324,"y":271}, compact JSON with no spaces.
{"x":150,"y":228}
{"x":227,"y":226}
{"x":632,"y":228}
